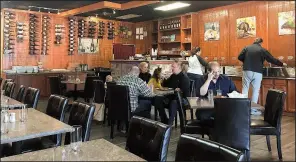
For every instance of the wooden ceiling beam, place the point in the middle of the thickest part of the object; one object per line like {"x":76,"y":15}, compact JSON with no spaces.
{"x":135,"y":4}
{"x":106,"y":4}
{"x":91,"y":7}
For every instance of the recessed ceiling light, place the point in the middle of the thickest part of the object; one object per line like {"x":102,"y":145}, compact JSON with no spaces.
{"x":172,"y":6}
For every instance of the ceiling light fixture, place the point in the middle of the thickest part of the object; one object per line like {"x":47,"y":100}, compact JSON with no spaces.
{"x":172,"y":6}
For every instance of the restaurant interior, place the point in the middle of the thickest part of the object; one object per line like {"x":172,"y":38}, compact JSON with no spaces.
{"x":137,"y":80}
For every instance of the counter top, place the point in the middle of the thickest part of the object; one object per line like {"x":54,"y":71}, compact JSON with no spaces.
{"x":265,"y":77}
{"x":145,"y":60}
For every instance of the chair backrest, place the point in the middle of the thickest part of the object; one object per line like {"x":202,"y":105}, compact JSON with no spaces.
{"x":5,"y":82}
{"x":31,"y":97}
{"x":1,"y":81}
{"x":119,"y":107}
{"x":99,"y":96}
{"x":193,"y":148}
{"x":232,"y":122}
{"x":20,"y":94}
{"x":56,"y":108}
{"x":182,"y":112}
{"x":81,"y":114}
{"x":89,"y":86}
{"x":9,"y":89}
{"x":274,"y":105}
{"x":148,"y":139}
{"x":192,"y":88}
{"x":55,"y":85}
{"x":107,"y":92}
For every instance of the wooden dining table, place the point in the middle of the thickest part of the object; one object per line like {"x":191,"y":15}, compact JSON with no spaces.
{"x":10,"y":103}
{"x":95,"y":150}
{"x":75,"y":83}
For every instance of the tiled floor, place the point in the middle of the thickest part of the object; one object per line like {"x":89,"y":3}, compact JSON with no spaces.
{"x":259,"y":151}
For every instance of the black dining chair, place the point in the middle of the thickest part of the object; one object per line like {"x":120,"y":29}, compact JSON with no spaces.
{"x":193,"y":148}
{"x":1,"y":81}
{"x":89,"y":89}
{"x":232,"y":123}
{"x":119,"y":107}
{"x":5,"y":82}
{"x":31,"y":97}
{"x":55,"y":85}
{"x":99,"y":94}
{"x":271,"y":124}
{"x":20,"y":94}
{"x":56,"y":108}
{"x":148,"y":139}
{"x":192,"y":88}
{"x":81,"y":114}
{"x":106,"y":101}
{"x":9,"y":89}
{"x":192,"y":126}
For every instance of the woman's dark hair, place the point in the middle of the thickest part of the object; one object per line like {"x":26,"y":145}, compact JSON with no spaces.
{"x":195,"y":50}
{"x":156,"y":73}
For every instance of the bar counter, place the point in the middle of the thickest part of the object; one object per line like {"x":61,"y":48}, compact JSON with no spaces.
{"x":40,"y":80}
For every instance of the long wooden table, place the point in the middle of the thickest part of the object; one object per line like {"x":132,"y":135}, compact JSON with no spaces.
{"x":95,"y":150}
{"x":37,"y":125}
{"x":12,"y":103}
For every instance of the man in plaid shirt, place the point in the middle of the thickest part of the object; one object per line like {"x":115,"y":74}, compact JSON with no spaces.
{"x":137,"y":87}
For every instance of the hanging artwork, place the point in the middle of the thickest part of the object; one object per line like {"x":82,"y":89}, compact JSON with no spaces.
{"x":212,"y":31}
{"x":88,"y":45}
{"x":286,"y":22}
{"x":246,"y":27}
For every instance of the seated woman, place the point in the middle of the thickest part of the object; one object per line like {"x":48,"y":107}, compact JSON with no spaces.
{"x":108,"y":79}
{"x":156,"y":80}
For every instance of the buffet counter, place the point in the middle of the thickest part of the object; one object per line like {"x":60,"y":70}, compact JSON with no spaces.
{"x":40,"y":80}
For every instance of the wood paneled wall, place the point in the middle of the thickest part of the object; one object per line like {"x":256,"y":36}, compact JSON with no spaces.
{"x":58,"y":54}
{"x":229,"y":46}
{"x":144,"y":45}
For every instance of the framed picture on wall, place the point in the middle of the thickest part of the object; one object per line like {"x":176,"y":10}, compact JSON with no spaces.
{"x":212,"y":31}
{"x":246,"y":27}
{"x":88,"y":45}
{"x":286,"y":22}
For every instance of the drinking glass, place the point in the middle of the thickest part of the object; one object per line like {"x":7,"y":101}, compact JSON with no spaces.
{"x":210,"y":94}
{"x":219,"y":92}
{"x":23,"y":114}
{"x":76,"y":138}
{"x":4,"y":124}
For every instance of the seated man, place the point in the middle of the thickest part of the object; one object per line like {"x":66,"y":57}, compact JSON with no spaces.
{"x":179,"y":82}
{"x":137,"y":87}
{"x":214,"y":81}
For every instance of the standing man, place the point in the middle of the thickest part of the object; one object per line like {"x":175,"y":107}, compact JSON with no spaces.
{"x":253,"y":57}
